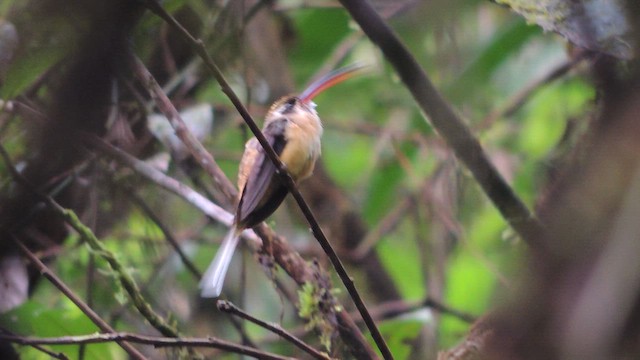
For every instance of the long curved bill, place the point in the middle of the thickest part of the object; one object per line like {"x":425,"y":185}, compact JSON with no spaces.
{"x":333,"y":78}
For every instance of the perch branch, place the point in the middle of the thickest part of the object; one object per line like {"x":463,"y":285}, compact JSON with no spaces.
{"x":286,"y":257}
{"x":281,"y":169}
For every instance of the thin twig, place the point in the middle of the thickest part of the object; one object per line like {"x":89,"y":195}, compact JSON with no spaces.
{"x":228,"y":307}
{"x":516,"y":101}
{"x":443,"y":118}
{"x":202,"y":156}
{"x":396,"y":308}
{"x":445,"y":309}
{"x":156,"y":341}
{"x":60,"y":355}
{"x":91,"y":215}
{"x":383,"y":227}
{"x":239,"y":326}
{"x":281,"y":170}
{"x":193,"y":66}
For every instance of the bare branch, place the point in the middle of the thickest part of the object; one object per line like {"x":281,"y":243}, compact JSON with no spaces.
{"x":168,"y":183}
{"x":395,"y":308}
{"x":60,"y":355}
{"x":156,"y":341}
{"x":204,"y":158}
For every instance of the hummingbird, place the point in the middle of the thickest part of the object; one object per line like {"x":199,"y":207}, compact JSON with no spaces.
{"x":293,"y":129}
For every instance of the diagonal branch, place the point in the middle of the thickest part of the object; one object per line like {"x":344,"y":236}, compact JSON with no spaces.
{"x":520,"y":98}
{"x":450,"y":126}
{"x":168,"y":183}
{"x":204,"y":158}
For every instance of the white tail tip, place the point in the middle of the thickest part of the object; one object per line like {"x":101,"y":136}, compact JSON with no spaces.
{"x":213,"y":279}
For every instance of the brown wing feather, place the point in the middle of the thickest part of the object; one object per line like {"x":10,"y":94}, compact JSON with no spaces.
{"x":262,"y":192}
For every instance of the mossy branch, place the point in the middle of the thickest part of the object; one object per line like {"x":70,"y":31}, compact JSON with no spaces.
{"x":122,"y":273}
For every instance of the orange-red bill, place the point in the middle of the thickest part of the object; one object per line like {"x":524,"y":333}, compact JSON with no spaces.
{"x":329,"y":80}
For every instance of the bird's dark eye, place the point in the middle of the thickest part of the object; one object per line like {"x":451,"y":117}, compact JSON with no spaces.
{"x":289,"y":104}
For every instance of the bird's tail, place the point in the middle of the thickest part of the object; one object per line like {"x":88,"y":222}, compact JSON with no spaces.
{"x":213,"y":278}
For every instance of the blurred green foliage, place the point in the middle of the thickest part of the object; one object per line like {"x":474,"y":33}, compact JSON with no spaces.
{"x":62,"y":319}
{"x":377,"y":147}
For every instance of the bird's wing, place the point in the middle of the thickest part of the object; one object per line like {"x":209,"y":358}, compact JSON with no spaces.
{"x":256,"y":178}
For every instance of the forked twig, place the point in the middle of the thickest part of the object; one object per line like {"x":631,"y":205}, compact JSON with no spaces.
{"x":226,"y":306}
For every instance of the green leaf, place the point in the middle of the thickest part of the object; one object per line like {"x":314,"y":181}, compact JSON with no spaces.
{"x":469,"y":286}
{"x":401,"y":256}
{"x":547,"y":113}
{"x":400,"y":333}
{"x":26,"y":70}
